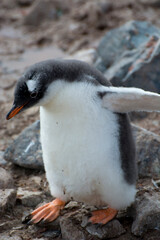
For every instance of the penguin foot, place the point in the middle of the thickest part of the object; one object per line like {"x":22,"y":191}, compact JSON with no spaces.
{"x":48,"y":212}
{"x":103,"y":216}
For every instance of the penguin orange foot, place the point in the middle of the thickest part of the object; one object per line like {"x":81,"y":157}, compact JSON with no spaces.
{"x":48,"y":212}
{"x":103,"y":216}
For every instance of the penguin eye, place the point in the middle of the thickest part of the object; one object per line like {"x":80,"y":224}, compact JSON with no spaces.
{"x":33,"y":94}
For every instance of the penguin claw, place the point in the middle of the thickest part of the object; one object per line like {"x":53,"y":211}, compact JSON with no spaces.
{"x":46,"y":213}
{"x":103,"y":216}
{"x":30,"y":222}
{"x":27,"y":219}
{"x":43,"y":221}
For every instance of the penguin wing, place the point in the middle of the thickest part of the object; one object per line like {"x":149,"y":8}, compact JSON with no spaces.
{"x":123,"y":100}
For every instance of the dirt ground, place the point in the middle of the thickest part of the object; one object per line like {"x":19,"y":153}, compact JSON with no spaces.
{"x":77,"y":24}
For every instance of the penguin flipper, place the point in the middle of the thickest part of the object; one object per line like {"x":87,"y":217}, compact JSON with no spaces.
{"x":123,"y":100}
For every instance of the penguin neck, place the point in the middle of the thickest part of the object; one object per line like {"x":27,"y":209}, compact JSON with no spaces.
{"x":73,"y":98}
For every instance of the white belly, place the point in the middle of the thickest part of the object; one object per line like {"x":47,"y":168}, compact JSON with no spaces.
{"x":81,"y":155}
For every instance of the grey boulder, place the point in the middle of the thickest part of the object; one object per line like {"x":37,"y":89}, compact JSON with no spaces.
{"x":148,"y":152}
{"x":147,"y":213}
{"x":26,"y":150}
{"x":70,"y":231}
{"x":129,"y":56}
{"x":110,"y":230}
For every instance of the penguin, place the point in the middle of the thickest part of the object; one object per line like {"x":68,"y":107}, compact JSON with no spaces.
{"x":87,"y":142}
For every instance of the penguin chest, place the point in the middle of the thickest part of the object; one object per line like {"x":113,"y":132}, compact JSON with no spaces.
{"x":81,"y":153}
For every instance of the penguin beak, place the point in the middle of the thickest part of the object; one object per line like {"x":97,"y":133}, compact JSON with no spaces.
{"x":14,"y":111}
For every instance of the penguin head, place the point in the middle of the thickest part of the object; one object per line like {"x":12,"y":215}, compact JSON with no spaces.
{"x":44,"y":80}
{"x":32,"y":88}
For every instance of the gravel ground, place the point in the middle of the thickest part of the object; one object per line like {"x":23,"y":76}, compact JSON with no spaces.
{"x":74,"y":25}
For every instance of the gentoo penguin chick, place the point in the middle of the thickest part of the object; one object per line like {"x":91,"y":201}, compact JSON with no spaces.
{"x":87,"y":143}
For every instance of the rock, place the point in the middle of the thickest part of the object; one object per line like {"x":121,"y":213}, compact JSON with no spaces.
{"x":129,"y":56}
{"x":71,"y":219}
{"x":5,"y":236}
{"x":118,"y":40}
{"x":71,"y":231}
{"x":46,"y":10}
{"x":6,"y":180}
{"x":7,"y":199}
{"x":29,"y":198}
{"x":2,"y":161}
{"x":26,"y":150}
{"x":147,"y":210}
{"x":110,"y":230}
{"x":148,"y":152}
